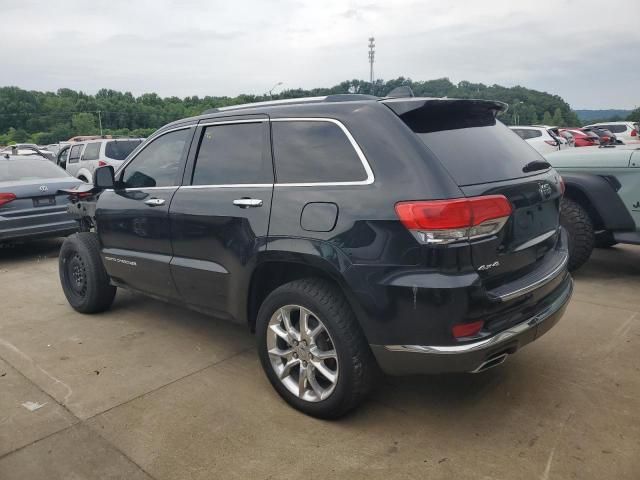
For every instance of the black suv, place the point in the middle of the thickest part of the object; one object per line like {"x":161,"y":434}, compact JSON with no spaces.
{"x":349,"y":232}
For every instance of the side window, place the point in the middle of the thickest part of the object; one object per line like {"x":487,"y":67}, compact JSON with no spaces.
{"x":63,"y":156}
{"x":91,"y":151}
{"x":314,"y":151}
{"x":233,"y":154}
{"x":74,"y":154}
{"x":617,"y":128}
{"x":157,"y":165}
{"x":534,"y":134}
{"x":520,"y":132}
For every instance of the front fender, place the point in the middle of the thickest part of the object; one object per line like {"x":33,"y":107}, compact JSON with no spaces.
{"x":602,"y":199}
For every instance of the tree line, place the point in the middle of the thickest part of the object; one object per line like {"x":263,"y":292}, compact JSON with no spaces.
{"x":49,"y":117}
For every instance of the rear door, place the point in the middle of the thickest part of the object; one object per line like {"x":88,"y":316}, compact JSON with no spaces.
{"x":133,"y":219}
{"x":73,"y":162}
{"x":220,"y":217}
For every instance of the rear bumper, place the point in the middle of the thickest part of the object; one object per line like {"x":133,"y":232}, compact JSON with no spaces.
{"x":55,"y":229}
{"x":475,"y":356}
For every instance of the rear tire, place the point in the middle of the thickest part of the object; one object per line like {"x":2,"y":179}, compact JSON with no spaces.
{"x":575,"y":219}
{"x":84,"y":280}
{"x":347,"y":357}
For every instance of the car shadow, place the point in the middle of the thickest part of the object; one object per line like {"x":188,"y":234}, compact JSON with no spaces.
{"x":29,"y":250}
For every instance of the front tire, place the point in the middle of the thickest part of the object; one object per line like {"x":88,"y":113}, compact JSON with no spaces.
{"x":84,"y":280}
{"x":575,"y":219}
{"x":312,"y":349}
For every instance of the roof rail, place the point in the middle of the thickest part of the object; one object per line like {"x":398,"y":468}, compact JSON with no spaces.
{"x":342,"y":97}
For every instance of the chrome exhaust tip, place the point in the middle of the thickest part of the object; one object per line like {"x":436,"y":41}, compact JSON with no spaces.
{"x":490,"y":363}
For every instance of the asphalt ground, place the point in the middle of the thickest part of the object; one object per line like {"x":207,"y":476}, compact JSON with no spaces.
{"x":149,"y":390}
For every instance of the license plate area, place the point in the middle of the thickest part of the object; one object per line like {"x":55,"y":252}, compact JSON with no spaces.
{"x":44,"y":201}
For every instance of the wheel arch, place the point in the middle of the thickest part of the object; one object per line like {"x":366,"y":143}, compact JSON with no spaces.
{"x":597,"y":195}
{"x":83,"y":172}
{"x":276,"y":269}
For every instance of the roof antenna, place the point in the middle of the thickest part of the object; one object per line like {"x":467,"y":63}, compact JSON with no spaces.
{"x":401,"y":92}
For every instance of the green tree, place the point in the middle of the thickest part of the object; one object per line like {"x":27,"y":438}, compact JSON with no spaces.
{"x":84,"y":124}
{"x":547,"y":119}
{"x":557,"y":119}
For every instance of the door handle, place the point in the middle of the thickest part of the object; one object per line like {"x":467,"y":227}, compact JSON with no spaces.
{"x":247,"y":202}
{"x":154,"y":202}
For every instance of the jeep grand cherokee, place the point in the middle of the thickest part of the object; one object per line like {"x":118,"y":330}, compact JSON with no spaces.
{"x":349,"y":232}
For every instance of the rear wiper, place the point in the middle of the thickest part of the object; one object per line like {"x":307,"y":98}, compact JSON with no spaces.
{"x":536,"y":165}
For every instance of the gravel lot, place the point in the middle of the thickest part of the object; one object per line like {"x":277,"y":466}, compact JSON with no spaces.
{"x":148,"y":390}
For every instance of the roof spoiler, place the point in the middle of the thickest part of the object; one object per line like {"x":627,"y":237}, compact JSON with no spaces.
{"x":401,"y":106}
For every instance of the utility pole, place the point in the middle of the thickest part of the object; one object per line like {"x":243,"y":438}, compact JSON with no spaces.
{"x":100,"y":121}
{"x":372,"y":54}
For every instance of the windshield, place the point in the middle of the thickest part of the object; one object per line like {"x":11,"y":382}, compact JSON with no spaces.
{"x":24,"y":168}
{"x":120,"y":149}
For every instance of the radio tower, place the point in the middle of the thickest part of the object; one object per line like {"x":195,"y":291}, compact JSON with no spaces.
{"x":372,"y":54}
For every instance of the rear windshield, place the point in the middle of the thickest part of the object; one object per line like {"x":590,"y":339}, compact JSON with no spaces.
{"x":29,"y":169}
{"x":119,"y":149}
{"x":468,"y":140}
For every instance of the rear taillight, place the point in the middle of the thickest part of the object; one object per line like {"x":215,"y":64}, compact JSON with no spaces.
{"x":462,"y":330}
{"x":634,"y":133}
{"x":6,"y":198}
{"x":102,"y":163}
{"x":446,"y":221}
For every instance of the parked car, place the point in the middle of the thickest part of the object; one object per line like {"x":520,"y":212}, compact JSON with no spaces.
{"x":627,"y":132}
{"x":568,"y":137}
{"x":81,"y":159}
{"x":20,"y":149}
{"x":538,"y":137}
{"x":555,"y":133}
{"x":581,"y":138}
{"x":432,"y":247}
{"x":606,"y":136}
{"x":601,"y":206}
{"x":30,"y":205}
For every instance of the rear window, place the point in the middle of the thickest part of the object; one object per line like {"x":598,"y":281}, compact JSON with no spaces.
{"x":120,"y":149}
{"x":473,"y":146}
{"x":29,"y":169}
{"x":527,"y":133}
{"x":314,"y":152}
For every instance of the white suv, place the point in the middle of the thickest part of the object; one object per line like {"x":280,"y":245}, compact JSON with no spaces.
{"x":625,"y":131}
{"x":538,"y":137}
{"x":81,"y":159}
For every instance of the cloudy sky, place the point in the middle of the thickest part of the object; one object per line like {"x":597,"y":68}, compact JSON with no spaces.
{"x":586,"y":51}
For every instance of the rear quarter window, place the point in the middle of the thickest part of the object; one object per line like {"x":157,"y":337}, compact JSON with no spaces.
{"x":120,"y":149}
{"x":91,"y":151}
{"x":307,"y":151}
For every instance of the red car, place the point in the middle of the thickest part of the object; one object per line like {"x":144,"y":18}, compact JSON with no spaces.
{"x":582,"y":138}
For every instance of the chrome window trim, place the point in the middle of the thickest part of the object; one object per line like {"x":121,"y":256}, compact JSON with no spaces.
{"x":363,"y":160}
{"x":229,"y":185}
{"x":365,"y":163}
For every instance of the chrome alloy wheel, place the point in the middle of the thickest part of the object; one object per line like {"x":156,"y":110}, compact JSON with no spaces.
{"x":302,"y":353}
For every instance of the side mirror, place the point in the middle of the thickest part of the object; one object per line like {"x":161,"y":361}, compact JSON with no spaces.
{"x":103,"y":177}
